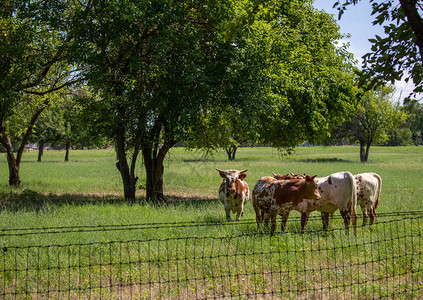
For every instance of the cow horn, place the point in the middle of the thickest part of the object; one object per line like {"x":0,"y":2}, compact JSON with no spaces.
{"x":220,"y":170}
{"x":274,"y":174}
{"x":243,"y":171}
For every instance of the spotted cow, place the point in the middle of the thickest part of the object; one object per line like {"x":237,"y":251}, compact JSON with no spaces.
{"x":337,"y":191}
{"x":369,"y":186}
{"x":234,"y":192}
{"x":272,"y":197}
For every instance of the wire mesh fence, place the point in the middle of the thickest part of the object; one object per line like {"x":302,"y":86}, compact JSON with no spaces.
{"x":379,"y":261}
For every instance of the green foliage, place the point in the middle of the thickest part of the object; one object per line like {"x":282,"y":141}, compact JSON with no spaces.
{"x":400,"y":137}
{"x":399,"y":54}
{"x":290,"y":80}
{"x":375,"y":117}
{"x":415,"y":121}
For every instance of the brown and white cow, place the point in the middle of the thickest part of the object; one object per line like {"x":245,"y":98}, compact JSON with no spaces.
{"x":337,"y":191}
{"x":272,"y":197}
{"x":369,"y":186}
{"x":234,"y":192}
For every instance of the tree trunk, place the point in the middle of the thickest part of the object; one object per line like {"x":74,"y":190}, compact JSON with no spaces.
{"x":368,"y":150}
{"x":154,"y":169}
{"x":14,"y":178}
{"x":40,"y":150}
{"x":128,"y":179}
{"x":364,"y":151}
{"x":410,"y":10}
{"x":231,"y":151}
{"x":14,"y":165}
{"x":67,"y":151}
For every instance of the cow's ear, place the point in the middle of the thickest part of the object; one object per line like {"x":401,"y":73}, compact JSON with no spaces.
{"x":221,"y":172}
{"x":242,"y":176}
{"x":314,"y":177}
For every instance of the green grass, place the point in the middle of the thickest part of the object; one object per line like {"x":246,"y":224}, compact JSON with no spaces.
{"x":193,"y":252}
{"x":53,"y":188}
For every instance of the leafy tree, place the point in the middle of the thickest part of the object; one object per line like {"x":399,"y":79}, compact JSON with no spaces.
{"x":153,"y":67}
{"x":162,"y":72}
{"x":49,"y":128}
{"x":32,"y":52}
{"x":294,"y":82}
{"x":415,"y":121}
{"x":400,"y":53}
{"x":401,"y":136}
{"x":376,"y":116}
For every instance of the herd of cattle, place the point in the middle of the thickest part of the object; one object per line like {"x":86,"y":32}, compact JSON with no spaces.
{"x":280,"y":194}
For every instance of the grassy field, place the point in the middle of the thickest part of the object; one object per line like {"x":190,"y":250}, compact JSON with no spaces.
{"x":67,"y":232}
{"x":84,"y":187}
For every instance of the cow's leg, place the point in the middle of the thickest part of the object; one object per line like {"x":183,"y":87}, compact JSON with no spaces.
{"x":365,"y":215}
{"x":259,"y":217}
{"x":240,"y":213}
{"x":304,"y":220}
{"x":372,"y":215}
{"x":346,"y":216}
{"x":273,"y":220}
{"x":325,"y":220}
{"x":354,"y":219}
{"x":285,"y":216}
{"x":266,"y":217}
{"x":228,"y":212}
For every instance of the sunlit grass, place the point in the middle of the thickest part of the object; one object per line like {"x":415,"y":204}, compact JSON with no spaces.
{"x":55,"y":188}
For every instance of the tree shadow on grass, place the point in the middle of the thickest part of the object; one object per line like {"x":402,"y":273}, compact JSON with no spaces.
{"x":30,"y":200}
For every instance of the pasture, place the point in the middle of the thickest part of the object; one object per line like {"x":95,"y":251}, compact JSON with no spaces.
{"x":88,"y":189}
{"x":67,"y":232}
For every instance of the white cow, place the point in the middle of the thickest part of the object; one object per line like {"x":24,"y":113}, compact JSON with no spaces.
{"x":233,"y":192}
{"x":369,"y":186}
{"x":337,"y":191}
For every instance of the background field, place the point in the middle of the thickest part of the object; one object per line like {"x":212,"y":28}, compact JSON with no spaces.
{"x":88,"y":190}
{"x":67,"y":232}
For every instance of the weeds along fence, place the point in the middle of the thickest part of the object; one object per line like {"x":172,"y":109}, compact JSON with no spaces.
{"x":223,"y":260}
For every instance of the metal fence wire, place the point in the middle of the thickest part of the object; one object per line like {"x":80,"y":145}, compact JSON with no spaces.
{"x":383,"y":260}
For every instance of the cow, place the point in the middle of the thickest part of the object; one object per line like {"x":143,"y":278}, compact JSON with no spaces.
{"x":234,"y":192}
{"x":272,"y":197}
{"x":337,"y":191}
{"x":288,"y":176}
{"x":369,"y":186}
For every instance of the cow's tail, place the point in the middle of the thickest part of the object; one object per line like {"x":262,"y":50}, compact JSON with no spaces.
{"x":353,"y":199}
{"x":379,"y":188}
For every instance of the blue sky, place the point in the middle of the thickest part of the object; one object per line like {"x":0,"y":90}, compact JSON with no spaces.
{"x":357,"y":21}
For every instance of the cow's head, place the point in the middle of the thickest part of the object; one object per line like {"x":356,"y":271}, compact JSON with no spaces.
{"x":311,"y":188}
{"x":231,"y":178}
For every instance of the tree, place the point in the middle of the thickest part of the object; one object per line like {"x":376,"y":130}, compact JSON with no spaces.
{"x":400,"y":53}
{"x":415,"y":121}
{"x":375,"y":117}
{"x":32,"y":52}
{"x":162,"y":72}
{"x":153,"y":67}
{"x":294,"y":82}
{"x":49,"y":128}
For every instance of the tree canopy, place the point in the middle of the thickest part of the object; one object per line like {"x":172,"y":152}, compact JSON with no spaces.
{"x":163,"y":71}
{"x":399,"y":54}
